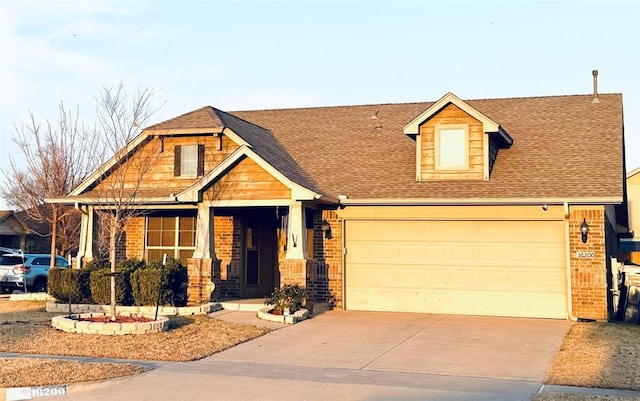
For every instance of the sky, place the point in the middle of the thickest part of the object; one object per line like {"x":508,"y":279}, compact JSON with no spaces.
{"x":244,"y":55}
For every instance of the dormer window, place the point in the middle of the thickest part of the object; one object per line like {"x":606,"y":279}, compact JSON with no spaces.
{"x":452,"y":147}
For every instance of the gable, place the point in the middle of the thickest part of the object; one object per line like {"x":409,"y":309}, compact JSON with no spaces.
{"x":247,"y":181}
{"x":432,"y":150}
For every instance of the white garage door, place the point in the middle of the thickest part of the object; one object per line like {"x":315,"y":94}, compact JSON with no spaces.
{"x":498,"y":268}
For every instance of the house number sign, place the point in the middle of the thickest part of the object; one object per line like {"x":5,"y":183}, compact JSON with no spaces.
{"x":585,"y":254}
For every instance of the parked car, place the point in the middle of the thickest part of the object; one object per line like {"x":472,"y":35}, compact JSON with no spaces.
{"x":31,"y":270}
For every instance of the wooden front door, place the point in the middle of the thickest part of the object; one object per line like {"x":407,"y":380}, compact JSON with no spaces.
{"x":259,"y":259}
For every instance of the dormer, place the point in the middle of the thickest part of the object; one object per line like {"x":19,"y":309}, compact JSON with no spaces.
{"x":454,"y":141}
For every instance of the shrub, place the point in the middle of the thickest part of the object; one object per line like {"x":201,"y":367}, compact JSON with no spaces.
{"x":148,"y":280}
{"x":290,"y":297}
{"x":95,"y":264}
{"x":100,"y":280}
{"x":70,"y":285}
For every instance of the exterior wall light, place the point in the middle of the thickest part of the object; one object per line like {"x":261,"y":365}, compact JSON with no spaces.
{"x":326,"y":229}
{"x":584,"y":230}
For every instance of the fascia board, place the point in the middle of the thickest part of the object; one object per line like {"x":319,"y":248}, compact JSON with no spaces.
{"x":109,"y":164}
{"x":488,"y":125}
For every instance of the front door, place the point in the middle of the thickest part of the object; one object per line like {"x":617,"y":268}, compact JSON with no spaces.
{"x":259,"y":259}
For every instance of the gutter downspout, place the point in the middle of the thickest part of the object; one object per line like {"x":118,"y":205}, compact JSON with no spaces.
{"x":567,"y":239}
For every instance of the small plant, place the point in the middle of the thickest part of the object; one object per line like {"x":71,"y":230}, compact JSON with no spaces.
{"x":287,"y":298}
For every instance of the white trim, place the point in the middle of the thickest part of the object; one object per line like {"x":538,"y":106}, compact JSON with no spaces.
{"x":419,"y":158}
{"x":488,"y":125}
{"x":110,"y":163}
{"x":184,"y":131}
{"x":193,"y":193}
{"x":633,"y":172}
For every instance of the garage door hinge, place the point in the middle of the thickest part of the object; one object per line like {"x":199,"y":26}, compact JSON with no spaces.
{"x":344,"y":250}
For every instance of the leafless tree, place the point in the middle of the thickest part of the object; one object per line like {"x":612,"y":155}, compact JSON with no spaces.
{"x":121,"y":114}
{"x":55,"y":158}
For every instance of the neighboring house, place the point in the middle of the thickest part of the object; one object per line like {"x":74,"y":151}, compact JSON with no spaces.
{"x":18,"y":231}
{"x":13,"y":233}
{"x":463,"y":207}
{"x":630,"y":247}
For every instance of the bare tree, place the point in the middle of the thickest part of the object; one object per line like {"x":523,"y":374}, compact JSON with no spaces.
{"x":121,"y":114}
{"x":57,"y":157}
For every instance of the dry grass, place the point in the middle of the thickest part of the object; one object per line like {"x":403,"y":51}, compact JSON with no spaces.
{"x":605,"y":355}
{"x":25,"y":327}
{"x":579,"y":397}
{"x":19,"y":372}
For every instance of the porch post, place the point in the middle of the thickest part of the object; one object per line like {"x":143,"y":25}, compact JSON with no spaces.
{"x":85,"y":246}
{"x":297,"y":241}
{"x":204,"y":234}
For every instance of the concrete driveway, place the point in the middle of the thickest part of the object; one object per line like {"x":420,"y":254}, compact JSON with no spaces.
{"x":362,"y":356}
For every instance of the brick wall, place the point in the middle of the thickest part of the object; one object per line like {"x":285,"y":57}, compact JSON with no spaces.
{"x":324,"y":282}
{"x":131,"y":244}
{"x":199,"y":273}
{"x":228,"y":248}
{"x":588,"y":274}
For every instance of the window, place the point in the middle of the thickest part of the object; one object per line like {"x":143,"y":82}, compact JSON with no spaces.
{"x":188,"y":161}
{"x":452,"y":150}
{"x":173,"y":235}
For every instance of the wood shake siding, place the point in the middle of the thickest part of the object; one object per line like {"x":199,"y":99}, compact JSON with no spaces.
{"x":247,"y":180}
{"x":452,"y":115}
{"x":162,"y":173}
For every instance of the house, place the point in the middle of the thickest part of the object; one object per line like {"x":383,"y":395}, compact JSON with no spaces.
{"x":630,"y":246}
{"x":18,"y":231}
{"x":13,"y":232}
{"x":501,"y":207}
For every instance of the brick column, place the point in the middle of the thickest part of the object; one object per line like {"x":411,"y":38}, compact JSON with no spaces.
{"x":588,"y":264}
{"x":199,"y":275}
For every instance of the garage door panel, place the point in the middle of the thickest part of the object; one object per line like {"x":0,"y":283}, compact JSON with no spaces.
{"x":506,"y":268}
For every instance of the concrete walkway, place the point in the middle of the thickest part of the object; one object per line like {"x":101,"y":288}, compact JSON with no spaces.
{"x":361,"y":356}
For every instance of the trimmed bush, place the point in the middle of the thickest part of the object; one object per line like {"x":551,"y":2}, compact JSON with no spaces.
{"x":169,"y":279}
{"x":100,"y":280}
{"x":70,"y":283}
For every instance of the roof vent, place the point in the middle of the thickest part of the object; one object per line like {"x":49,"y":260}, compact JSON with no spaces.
{"x":595,"y":87}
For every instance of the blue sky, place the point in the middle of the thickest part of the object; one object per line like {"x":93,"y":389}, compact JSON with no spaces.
{"x":247,"y":55}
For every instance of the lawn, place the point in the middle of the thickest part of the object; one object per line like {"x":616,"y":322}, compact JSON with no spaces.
{"x":605,"y":355}
{"x":25,"y":327}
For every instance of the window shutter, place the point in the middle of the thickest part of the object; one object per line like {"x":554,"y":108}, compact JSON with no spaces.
{"x":177,"y":153}
{"x":200,"y":160}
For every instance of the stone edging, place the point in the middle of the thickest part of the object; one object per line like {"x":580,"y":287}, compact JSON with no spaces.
{"x":299,"y":315}
{"x":75,"y":325}
{"x":204,"y":309}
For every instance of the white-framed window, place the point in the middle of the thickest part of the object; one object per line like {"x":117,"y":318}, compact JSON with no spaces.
{"x":189,"y":160}
{"x":173,"y":235}
{"x":452,"y":147}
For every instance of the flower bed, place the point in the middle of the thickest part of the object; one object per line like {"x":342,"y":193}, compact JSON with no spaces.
{"x":84,"y":323}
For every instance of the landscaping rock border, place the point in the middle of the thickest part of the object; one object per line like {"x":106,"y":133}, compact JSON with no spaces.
{"x":76,"y":325}
{"x":298,"y":316}
{"x":204,"y":309}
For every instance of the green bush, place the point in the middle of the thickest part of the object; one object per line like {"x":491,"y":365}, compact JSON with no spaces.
{"x":290,"y":297}
{"x":96,"y":264}
{"x":100,"y":280}
{"x":148,"y":280}
{"x":70,"y":283}
{"x":126,"y":268}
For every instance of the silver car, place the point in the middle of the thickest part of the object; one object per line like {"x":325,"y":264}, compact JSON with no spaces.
{"x":27,"y":271}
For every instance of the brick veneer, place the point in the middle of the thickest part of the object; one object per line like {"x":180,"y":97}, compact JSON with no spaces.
{"x":588,"y":275}
{"x":324,"y":282}
{"x":199,"y":273}
{"x":228,"y":249}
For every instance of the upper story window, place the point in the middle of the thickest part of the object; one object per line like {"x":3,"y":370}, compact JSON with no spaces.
{"x":188,"y":161}
{"x":452,"y":148}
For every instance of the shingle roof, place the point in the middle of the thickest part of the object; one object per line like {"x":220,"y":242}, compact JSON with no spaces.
{"x":564,"y":147}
